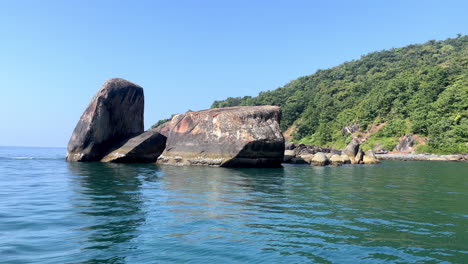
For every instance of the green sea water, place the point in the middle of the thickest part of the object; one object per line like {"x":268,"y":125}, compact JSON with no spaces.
{"x":52,"y":211}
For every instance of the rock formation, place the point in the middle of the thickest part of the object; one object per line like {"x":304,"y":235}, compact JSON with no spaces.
{"x":336,"y":160}
{"x":406,"y":144}
{"x":352,"y":150}
{"x":145,"y":147}
{"x":230,"y":137}
{"x":319,"y":159}
{"x":370,"y":158}
{"x":113,"y":115}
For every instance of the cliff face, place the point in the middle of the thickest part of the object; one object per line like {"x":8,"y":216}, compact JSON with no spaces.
{"x":230,"y":137}
{"x":113,"y":115}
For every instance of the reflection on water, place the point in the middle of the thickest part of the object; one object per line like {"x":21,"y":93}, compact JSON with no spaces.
{"x":395,"y":212}
{"x":109,"y":196}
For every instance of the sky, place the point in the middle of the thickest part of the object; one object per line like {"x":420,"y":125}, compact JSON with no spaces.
{"x":55,"y":55}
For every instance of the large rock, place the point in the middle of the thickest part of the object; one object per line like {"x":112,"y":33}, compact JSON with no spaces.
{"x":370,"y":158}
{"x":319,"y":159}
{"x":113,"y":115}
{"x":336,"y":160}
{"x":358,"y":157}
{"x":288,"y":155}
{"x":352,"y":150}
{"x":145,"y":147}
{"x":345,"y":158}
{"x":406,"y":144}
{"x":247,"y":136}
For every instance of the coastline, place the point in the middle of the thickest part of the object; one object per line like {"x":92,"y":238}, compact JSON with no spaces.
{"x":423,"y":157}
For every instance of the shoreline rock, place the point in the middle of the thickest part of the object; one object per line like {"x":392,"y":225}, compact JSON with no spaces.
{"x":423,"y":157}
{"x":246,"y":136}
{"x":143,"y":148}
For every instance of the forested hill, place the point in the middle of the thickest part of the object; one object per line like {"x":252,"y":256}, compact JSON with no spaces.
{"x":418,"y":89}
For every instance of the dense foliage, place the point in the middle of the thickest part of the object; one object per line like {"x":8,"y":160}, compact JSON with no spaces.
{"x":418,"y":89}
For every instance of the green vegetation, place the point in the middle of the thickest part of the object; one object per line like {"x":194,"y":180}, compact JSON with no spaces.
{"x":160,"y":122}
{"x":418,"y":89}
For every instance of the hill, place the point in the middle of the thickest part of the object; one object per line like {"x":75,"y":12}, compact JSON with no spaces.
{"x":417,"y":90}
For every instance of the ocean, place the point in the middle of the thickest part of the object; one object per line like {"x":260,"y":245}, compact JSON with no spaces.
{"x":53,"y":211}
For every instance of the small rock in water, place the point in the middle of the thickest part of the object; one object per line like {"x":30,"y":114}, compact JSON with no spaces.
{"x":336,"y":160}
{"x":370,"y":158}
{"x":319,"y":159}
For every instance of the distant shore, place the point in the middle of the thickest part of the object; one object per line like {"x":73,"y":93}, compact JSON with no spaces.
{"x":431,"y":157}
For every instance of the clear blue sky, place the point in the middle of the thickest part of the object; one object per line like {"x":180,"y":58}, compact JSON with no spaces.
{"x":55,"y":55}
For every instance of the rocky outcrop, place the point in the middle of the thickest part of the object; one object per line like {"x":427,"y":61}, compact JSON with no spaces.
{"x":406,"y":144}
{"x":336,"y":160}
{"x":144,"y":148}
{"x":114,"y":114}
{"x":370,"y":158}
{"x":352,"y":150}
{"x":319,"y":159}
{"x":346,"y":159}
{"x":289,"y":155}
{"x":230,"y":137}
{"x":358,"y":157}
{"x":424,"y":157}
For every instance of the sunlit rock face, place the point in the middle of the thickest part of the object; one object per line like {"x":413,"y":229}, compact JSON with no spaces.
{"x":247,"y":136}
{"x":113,"y":116}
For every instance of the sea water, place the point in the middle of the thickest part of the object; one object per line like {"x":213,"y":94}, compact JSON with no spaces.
{"x":53,"y":211}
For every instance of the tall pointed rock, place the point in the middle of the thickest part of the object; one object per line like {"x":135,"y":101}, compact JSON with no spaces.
{"x":114,"y":115}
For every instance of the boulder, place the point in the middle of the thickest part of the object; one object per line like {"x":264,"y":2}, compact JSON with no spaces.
{"x":307,"y":158}
{"x":345,"y":158}
{"x":247,"y":136}
{"x":351,"y":150}
{"x":336,"y":160}
{"x":406,"y":144}
{"x":290,"y":146}
{"x":379,"y":149}
{"x":358,"y":157}
{"x":370,"y":158}
{"x":319,"y":159}
{"x":113,"y":115}
{"x":288,"y":155}
{"x":298,"y":160}
{"x":144,"y":148}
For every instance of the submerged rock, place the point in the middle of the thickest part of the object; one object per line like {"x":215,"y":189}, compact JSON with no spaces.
{"x":144,"y":148}
{"x":230,"y":137}
{"x":113,"y":115}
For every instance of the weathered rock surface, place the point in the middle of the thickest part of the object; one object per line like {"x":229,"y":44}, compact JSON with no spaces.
{"x":379,"y":149}
{"x":358,"y":157}
{"x":319,"y":159}
{"x":290,"y":146}
{"x":307,"y":158}
{"x":352,"y":150}
{"x":406,"y":144}
{"x":424,"y":157}
{"x":144,"y":148}
{"x":336,"y":160}
{"x":113,"y":115}
{"x":230,"y":137}
{"x":370,"y":158}
{"x":288,"y":155}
